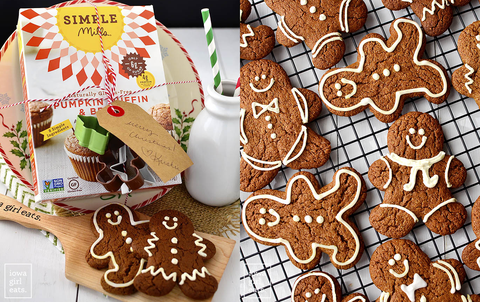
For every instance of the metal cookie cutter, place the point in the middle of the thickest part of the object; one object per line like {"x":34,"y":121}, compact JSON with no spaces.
{"x":123,"y":169}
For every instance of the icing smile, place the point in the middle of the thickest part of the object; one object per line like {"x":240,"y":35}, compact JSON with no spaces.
{"x":272,"y":212}
{"x":165,"y":223}
{"x":421,"y":132}
{"x":272,"y":81}
{"x":119,"y":218}
{"x":338,"y":87}
{"x":393,"y":261}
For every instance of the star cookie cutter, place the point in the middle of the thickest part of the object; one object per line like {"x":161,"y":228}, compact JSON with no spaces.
{"x":123,"y":169}
{"x":90,"y":134}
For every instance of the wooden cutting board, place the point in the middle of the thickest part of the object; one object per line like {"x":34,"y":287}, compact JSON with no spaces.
{"x":76,"y":236}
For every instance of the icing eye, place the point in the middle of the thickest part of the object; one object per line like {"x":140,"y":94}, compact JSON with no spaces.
{"x":175,"y":219}
{"x":313,"y":9}
{"x":263,"y":211}
{"x":261,"y":221}
{"x":391,"y":262}
{"x":264,"y":76}
{"x":421,"y":132}
{"x":166,"y":218}
{"x":308,"y":295}
{"x":317,"y":291}
{"x":108,"y":215}
{"x":338,"y":86}
{"x":339,"y":93}
{"x":257,"y":78}
{"x":397,"y":257}
{"x":116,"y":213}
{"x":478,"y":38}
{"x":411,"y":130}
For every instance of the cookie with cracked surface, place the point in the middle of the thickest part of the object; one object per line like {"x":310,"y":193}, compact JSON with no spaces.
{"x":416,"y":176}
{"x":273,"y":131}
{"x":403,"y":272}
{"x":117,"y":229}
{"x":174,"y":255}
{"x":435,"y":15}
{"x":309,"y":220}
{"x":464,"y":79}
{"x":255,"y":42}
{"x":321,"y":287}
{"x":386,"y":73}
{"x":471,"y":253}
{"x":319,"y":24}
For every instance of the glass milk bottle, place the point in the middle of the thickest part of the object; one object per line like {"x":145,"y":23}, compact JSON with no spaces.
{"x":214,"y":178}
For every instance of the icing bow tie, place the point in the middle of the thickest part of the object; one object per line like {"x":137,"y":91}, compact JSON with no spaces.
{"x":273,"y":107}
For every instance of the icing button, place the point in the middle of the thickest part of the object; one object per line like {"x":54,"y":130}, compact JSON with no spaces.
{"x":174,"y":261}
{"x":174,"y":240}
{"x":313,"y":9}
{"x":396,"y":67}
{"x":124,"y":233}
{"x":308,"y":219}
{"x":386,"y":72}
{"x":270,"y":126}
{"x":308,"y":295}
{"x":320,"y":219}
{"x":264,"y":76}
{"x":303,"y":2}
{"x":323,"y":17}
{"x":296,"y":218}
{"x":317,"y":291}
{"x":375,"y":76}
{"x":273,"y":136}
{"x":129,"y":240}
{"x":268,"y":118}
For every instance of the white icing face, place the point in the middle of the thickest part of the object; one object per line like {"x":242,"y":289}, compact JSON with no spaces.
{"x":258,"y":86}
{"x":397,"y":258}
{"x":346,"y":88}
{"x":272,"y":212}
{"x":421,"y":132}
{"x":119,"y":218}
{"x":165,"y":223}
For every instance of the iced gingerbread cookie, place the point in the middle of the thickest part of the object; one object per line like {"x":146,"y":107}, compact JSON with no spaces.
{"x":255,"y":42}
{"x":403,"y":272}
{"x":273,"y":131}
{"x":175,"y":255}
{"x":385,"y":74}
{"x":471,"y":253}
{"x":117,"y":229}
{"x":319,"y":24}
{"x":308,"y":219}
{"x":465,"y":79}
{"x":416,"y":177}
{"x":436,"y":15}
{"x":321,"y":287}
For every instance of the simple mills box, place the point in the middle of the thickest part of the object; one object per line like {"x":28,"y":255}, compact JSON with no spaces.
{"x":60,"y":54}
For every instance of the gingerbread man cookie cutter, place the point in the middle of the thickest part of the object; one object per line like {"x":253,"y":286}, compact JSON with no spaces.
{"x":385,"y":74}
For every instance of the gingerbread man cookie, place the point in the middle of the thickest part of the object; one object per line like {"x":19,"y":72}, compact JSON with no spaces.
{"x":319,"y":24}
{"x":255,"y":42}
{"x":117,"y":229}
{"x":273,"y":115}
{"x":465,"y":79}
{"x":416,"y":176}
{"x":403,"y":272}
{"x":471,"y":253}
{"x":308,"y":219}
{"x":385,"y":74}
{"x":321,"y":287}
{"x":175,"y":255}
{"x":436,"y":15}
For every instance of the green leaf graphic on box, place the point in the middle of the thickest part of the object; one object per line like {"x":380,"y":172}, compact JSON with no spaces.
{"x":23,"y":134}
{"x":9,"y":134}
{"x":90,"y":134}
{"x":20,"y":144}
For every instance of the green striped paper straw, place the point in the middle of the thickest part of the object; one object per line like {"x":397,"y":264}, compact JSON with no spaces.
{"x":212,"y":50}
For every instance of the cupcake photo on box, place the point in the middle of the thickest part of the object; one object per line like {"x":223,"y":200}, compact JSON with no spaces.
{"x":84,"y":161}
{"x":40,"y":121}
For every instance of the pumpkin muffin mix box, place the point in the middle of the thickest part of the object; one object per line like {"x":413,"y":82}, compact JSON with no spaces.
{"x":60,"y":54}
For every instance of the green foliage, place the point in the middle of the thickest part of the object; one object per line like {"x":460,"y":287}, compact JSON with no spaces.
{"x":182,"y":128}
{"x":19,"y":144}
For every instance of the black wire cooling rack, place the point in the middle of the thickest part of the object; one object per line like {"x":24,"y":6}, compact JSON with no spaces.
{"x":266,"y":272}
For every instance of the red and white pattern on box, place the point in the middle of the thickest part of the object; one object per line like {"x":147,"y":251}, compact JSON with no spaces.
{"x":138,"y":32}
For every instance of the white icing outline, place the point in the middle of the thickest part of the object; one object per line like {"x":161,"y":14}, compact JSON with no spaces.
{"x":390,"y":175}
{"x":398,"y":94}
{"x":272,"y":81}
{"x":344,"y":26}
{"x":110,"y":253}
{"x":162,"y":271}
{"x":449,"y":185}
{"x":384,"y":296}
{"x":467,"y":76}
{"x":386,"y":205}
{"x":272,"y":107}
{"x":201,"y":252}
{"x":151,"y":244}
{"x":416,"y":165}
{"x":453,"y":281}
{"x":425,"y":218}
{"x":165,"y":224}
{"x":290,"y":35}
{"x":417,"y":283}
{"x":287,"y":159}
{"x":357,"y":298}
{"x":193,"y":276}
{"x":318,"y":197}
{"x":303,"y":112}
{"x":397,"y":275}
{"x":424,"y":140}
{"x":444,"y":4}
{"x":275,"y":164}
{"x":458,"y":284}
{"x":477,"y":246}
{"x":324,"y":40}
{"x":277,"y":216}
{"x":243,"y":136}
{"x":334,"y":294}
{"x":244,"y":36}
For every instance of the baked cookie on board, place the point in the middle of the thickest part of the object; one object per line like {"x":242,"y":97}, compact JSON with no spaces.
{"x":386,"y":73}
{"x":255,"y":42}
{"x":117,"y":229}
{"x":318,"y":286}
{"x":465,"y":79}
{"x":273,"y":131}
{"x":403,"y":272}
{"x":319,"y":24}
{"x":309,"y":220}
{"x":435,"y":15}
{"x":471,"y":253}
{"x":417,"y":176}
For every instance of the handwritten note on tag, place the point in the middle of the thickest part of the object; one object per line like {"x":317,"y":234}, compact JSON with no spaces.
{"x":137,"y":129}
